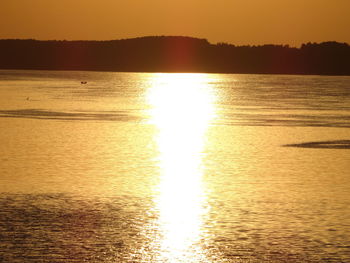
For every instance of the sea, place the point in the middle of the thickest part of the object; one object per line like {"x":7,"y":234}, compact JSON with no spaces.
{"x":173,"y":167}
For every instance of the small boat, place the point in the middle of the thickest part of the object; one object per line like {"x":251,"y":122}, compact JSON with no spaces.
{"x":83,"y":82}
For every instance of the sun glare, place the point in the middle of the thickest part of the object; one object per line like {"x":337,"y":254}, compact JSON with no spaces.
{"x":181,"y":109}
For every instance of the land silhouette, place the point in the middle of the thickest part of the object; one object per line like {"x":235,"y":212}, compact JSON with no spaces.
{"x":175,"y":54}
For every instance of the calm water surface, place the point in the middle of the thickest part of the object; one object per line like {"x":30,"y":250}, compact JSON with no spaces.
{"x":173,"y":167}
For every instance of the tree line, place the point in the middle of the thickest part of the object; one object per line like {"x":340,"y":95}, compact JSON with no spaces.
{"x":175,"y":54}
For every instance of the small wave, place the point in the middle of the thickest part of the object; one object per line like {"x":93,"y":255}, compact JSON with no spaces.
{"x":337,"y":144}
{"x":69,"y":116}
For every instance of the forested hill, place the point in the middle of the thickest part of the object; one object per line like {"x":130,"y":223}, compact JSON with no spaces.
{"x":175,"y":54}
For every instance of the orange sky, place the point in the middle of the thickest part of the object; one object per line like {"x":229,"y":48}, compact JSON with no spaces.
{"x":234,"y":21}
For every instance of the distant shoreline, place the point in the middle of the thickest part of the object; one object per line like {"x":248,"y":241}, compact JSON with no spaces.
{"x":169,"y":72}
{"x":175,"y":54}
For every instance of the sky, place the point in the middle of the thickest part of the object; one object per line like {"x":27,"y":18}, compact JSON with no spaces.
{"x":238,"y":22}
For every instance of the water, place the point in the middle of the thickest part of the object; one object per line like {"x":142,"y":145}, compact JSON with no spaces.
{"x":174,"y":167}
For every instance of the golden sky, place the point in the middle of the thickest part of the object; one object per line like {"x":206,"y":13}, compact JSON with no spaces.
{"x":234,"y":21}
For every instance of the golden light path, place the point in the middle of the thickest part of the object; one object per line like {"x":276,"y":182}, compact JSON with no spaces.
{"x":182,"y":107}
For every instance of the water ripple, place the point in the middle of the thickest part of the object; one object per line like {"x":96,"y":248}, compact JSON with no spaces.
{"x":337,"y":144}
{"x":70,"y":116}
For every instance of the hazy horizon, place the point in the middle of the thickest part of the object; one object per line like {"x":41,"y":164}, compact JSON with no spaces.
{"x":237,"y":22}
{"x":185,"y":36}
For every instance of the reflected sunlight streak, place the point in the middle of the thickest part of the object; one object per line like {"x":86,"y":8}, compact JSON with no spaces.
{"x":182,"y":108}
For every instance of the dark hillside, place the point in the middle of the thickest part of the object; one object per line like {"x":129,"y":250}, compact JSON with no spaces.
{"x":175,"y":54}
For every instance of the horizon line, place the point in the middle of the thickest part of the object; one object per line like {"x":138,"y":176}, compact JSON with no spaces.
{"x":174,"y":36}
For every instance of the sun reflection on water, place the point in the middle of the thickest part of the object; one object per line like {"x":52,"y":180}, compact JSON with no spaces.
{"x":182,"y":108}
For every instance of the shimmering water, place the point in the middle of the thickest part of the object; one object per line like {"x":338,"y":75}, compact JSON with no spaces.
{"x":174,"y":167}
